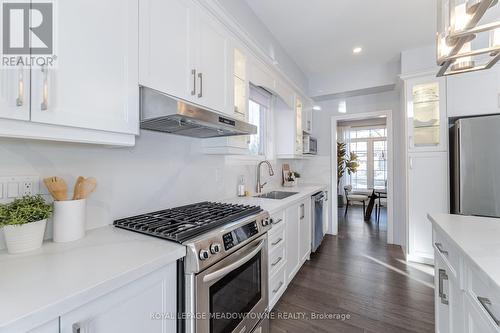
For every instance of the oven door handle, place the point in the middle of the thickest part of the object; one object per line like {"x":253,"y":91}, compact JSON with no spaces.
{"x":227,"y":269}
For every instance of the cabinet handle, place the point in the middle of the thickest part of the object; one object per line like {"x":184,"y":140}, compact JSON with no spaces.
{"x":439,"y":246}
{"x":302,"y":211}
{"x":20,"y":87}
{"x":193,"y":72}
{"x":485,"y":302}
{"x":279,"y":287}
{"x":276,"y":262}
{"x":200,"y":76}
{"x":45,"y":89}
{"x":277,"y":222}
{"x":277,"y":242}
{"x":411,"y":163}
{"x":442,"y":295}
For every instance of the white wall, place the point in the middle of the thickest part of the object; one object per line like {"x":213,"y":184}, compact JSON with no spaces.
{"x":161,"y":171}
{"x":317,"y":169}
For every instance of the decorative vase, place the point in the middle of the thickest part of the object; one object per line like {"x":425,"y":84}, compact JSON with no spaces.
{"x":26,"y":237}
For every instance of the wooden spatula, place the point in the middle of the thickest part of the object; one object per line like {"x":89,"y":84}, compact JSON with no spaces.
{"x":78,"y":184}
{"x":86,"y":187}
{"x":57,"y":188}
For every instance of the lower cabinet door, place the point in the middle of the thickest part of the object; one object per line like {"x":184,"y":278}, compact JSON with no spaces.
{"x":292,"y":243}
{"x":305,"y":230}
{"x":448,"y":299}
{"x":145,"y":305}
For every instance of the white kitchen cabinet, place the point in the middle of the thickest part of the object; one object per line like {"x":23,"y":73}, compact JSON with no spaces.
{"x":475,"y":320}
{"x":474,"y":94}
{"x":165,"y":47}
{"x":305,"y":230}
{"x":260,"y":76}
{"x":211,"y":59}
{"x":427,"y":192}
{"x":93,"y":84}
{"x":288,"y":127}
{"x":448,"y":298}
{"x":133,"y":308}
{"x":292,"y":243}
{"x":15,"y":93}
{"x":427,"y":122}
{"x":307,"y":115}
{"x":184,"y":53}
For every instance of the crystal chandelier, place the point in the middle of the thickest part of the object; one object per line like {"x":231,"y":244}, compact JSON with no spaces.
{"x":468,"y":37}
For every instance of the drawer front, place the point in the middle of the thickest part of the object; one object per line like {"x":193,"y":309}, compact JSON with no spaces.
{"x":449,"y":253}
{"x":475,"y":321}
{"x":277,"y":286}
{"x":276,"y":238}
{"x":484,"y":294}
{"x":276,"y":259}
{"x":278,"y":219}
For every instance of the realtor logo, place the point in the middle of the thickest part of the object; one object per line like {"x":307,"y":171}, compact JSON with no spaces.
{"x":27,"y":29}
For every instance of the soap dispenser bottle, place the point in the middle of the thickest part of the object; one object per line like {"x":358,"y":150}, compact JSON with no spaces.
{"x":241,"y":187}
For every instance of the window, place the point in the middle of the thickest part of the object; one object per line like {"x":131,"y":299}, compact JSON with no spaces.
{"x":259,"y":106}
{"x":370,"y":144}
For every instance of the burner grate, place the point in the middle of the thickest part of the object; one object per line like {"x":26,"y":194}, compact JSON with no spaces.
{"x":182,"y":223}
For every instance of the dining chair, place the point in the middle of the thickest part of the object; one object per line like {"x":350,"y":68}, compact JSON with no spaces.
{"x":350,"y":197}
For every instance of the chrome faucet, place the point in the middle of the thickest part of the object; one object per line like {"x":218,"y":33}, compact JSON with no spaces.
{"x":271,"y":173}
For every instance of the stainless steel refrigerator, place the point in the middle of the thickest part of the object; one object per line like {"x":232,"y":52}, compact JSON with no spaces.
{"x":475,"y":162}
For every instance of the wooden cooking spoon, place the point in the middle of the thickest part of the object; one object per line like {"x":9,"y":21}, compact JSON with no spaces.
{"x":86,"y":187}
{"x":78,"y":183}
{"x":57,"y":188}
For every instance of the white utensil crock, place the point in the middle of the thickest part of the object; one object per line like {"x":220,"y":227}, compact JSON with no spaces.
{"x":24,"y":237}
{"x":69,"y":220}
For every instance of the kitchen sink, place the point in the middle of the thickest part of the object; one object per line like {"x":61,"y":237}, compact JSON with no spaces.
{"x":277,"y":195}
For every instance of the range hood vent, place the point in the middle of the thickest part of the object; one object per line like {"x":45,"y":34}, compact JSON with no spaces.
{"x":163,"y":113}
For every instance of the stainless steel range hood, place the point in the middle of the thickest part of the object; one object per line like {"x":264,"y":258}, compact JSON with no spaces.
{"x":162,"y":113}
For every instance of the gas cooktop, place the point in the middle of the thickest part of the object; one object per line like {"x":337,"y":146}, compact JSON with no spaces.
{"x":182,"y":223}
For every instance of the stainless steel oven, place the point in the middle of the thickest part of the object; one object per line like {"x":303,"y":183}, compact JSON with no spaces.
{"x":231,"y":295}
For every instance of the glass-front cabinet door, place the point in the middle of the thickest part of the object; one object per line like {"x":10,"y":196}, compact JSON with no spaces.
{"x":298,"y":134}
{"x":426,"y":114}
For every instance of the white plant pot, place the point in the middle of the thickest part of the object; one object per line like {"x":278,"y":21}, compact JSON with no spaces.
{"x":26,"y":237}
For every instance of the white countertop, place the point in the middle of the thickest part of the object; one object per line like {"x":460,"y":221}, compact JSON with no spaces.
{"x":273,"y":205}
{"x":477,"y":237}
{"x":55,"y":279}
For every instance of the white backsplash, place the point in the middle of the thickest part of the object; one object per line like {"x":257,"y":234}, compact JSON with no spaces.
{"x":161,"y":171}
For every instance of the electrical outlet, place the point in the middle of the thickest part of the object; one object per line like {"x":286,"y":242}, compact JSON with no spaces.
{"x":12,"y":187}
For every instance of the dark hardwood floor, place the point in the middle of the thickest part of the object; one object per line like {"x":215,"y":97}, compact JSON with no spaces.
{"x":358,"y":274}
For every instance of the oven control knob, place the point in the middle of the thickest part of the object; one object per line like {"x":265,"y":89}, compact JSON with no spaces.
{"x":265,"y":222}
{"x":215,"y":248}
{"x":204,"y":254}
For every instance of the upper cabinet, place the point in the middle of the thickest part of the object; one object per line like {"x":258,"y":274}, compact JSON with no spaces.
{"x":184,"y":52}
{"x":93,"y":84}
{"x":299,"y":135}
{"x":88,"y":91}
{"x":288,"y":127}
{"x":165,"y":47}
{"x":473,"y":94}
{"x":426,"y":114}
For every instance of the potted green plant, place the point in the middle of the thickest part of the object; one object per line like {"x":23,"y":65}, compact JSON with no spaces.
{"x":345,"y":162}
{"x":23,"y":222}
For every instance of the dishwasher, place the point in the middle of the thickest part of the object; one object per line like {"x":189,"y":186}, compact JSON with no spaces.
{"x":319,"y":218}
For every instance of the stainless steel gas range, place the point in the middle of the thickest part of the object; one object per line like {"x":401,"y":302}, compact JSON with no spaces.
{"x":222,"y":282}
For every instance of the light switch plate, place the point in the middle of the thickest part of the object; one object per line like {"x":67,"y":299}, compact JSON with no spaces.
{"x":12,"y":187}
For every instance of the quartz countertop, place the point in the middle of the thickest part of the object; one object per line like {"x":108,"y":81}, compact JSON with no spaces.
{"x":43,"y":284}
{"x":274,"y":205}
{"x":477,"y":237}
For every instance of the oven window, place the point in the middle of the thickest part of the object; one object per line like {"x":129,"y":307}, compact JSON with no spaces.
{"x":235,"y":295}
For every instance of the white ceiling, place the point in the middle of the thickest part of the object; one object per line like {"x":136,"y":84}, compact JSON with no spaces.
{"x":321,"y":34}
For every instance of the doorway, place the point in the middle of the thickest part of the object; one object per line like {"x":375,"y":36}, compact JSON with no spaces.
{"x":370,"y":136}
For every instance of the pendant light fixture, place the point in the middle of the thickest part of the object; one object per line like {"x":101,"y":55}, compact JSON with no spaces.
{"x":463,"y":44}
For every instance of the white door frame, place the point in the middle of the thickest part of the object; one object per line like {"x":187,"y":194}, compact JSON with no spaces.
{"x":390,"y":169}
